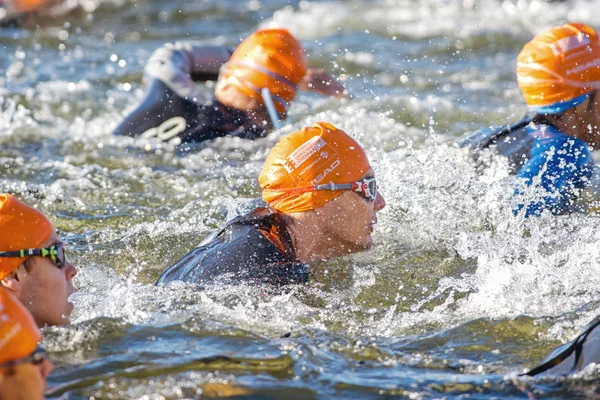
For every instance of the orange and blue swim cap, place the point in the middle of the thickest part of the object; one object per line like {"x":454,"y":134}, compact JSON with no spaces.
{"x":269,"y":58}
{"x":559,"y":68}
{"x":315,"y":155}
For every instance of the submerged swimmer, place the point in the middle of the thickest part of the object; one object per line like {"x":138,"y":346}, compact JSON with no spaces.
{"x":174,"y":111}
{"x":323,"y":203}
{"x":558,"y":73}
{"x":23,"y":365}
{"x":33,"y":264}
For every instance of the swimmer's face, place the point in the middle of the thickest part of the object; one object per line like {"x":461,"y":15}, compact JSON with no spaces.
{"x":24,"y":381}
{"x":349,"y":219}
{"x":231,"y":96}
{"x":44,"y":288}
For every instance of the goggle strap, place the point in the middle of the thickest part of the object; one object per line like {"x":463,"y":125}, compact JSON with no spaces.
{"x":355,"y":186}
{"x":266,"y":71}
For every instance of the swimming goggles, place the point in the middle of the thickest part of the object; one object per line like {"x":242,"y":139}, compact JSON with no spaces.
{"x":366,"y":187}
{"x":55,"y":252}
{"x":38,"y":356}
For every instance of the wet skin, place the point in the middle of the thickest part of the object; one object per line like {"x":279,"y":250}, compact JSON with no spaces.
{"x":348,"y":220}
{"x":45,"y":288}
{"x":24,"y":381}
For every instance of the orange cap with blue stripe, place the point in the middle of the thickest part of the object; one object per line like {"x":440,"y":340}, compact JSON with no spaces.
{"x":559,"y":68}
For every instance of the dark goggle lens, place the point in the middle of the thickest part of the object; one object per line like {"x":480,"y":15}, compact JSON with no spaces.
{"x":369,"y":188}
{"x":38,"y":356}
{"x":57,"y":254}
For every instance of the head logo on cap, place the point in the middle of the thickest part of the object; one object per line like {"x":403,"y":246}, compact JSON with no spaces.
{"x":314,"y":155}
{"x":559,"y":68}
{"x":19,"y":334}
{"x":21,"y":227}
{"x":269,"y":58}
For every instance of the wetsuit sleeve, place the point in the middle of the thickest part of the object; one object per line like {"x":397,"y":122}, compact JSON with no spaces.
{"x":559,"y":164}
{"x":581,"y":352}
{"x":181,"y":64}
{"x":171,"y":108}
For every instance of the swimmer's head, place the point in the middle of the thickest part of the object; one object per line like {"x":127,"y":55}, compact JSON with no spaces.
{"x":21,"y":227}
{"x":316,"y":155}
{"x":19,"y":334}
{"x":33,"y":264}
{"x":269,"y":58}
{"x":559,"y":68}
{"x":23,"y":366}
{"x":321,"y":179}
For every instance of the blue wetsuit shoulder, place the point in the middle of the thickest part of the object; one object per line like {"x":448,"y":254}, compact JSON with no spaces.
{"x":560,"y":164}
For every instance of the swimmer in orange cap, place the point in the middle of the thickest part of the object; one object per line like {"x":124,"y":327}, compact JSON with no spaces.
{"x":33,"y":264}
{"x":323,"y":203}
{"x":559,"y":74}
{"x":267,"y":67}
{"x":24,"y":365}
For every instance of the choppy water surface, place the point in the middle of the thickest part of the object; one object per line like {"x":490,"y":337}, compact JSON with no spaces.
{"x":456,"y":296}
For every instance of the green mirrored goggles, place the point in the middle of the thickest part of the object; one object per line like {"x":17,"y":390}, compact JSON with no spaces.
{"x":56,"y":253}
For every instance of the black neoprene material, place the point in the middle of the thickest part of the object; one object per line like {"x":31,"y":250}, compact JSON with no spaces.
{"x":240,"y":253}
{"x":202,"y":122}
{"x":512,"y":141}
{"x":575,"y":345}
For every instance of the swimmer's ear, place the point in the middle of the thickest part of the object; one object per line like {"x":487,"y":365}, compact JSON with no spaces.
{"x":12,"y":281}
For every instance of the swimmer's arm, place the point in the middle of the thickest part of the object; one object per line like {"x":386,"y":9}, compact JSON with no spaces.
{"x":179,"y":65}
{"x":318,"y":80}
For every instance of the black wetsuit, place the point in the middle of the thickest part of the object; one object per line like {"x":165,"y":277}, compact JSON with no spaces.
{"x":173,"y":110}
{"x":255,"y":248}
{"x":573,"y":356}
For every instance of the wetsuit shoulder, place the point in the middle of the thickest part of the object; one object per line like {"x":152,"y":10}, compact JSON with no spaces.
{"x":511,"y":141}
{"x":256,"y":248}
{"x":165,"y":115}
{"x":560,"y":164}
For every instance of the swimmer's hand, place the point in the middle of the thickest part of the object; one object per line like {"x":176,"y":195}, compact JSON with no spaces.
{"x":317,"y":80}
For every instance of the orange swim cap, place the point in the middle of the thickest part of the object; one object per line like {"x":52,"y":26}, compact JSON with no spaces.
{"x":559,"y":67}
{"x":269,"y":58}
{"x":21,"y":227}
{"x":23,"y":6}
{"x":19,"y":334}
{"x":315,"y":155}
